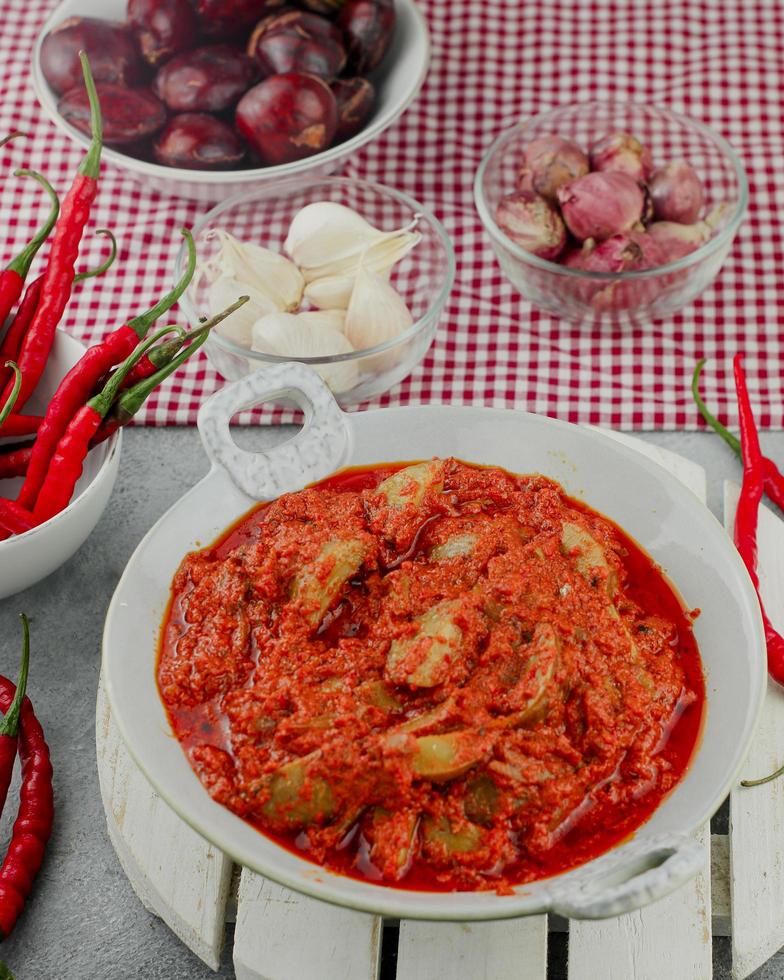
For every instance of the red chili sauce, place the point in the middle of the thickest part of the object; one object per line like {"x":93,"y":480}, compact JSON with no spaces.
{"x":446,"y":677}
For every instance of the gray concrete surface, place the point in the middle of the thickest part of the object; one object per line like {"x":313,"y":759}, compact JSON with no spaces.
{"x":83,"y":920}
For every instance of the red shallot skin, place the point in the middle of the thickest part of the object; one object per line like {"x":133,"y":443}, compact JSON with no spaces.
{"x":622,"y":153}
{"x":198,"y":141}
{"x":129,"y":114}
{"x":162,"y":28}
{"x":532,"y":223}
{"x":549,"y":162}
{"x":288,"y":117}
{"x":368,"y":27}
{"x":600,"y":204}
{"x":653,"y":252}
{"x":676,"y":193}
{"x":299,"y":41}
{"x":355,"y":98}
{"x":618,"y":253}
{"x":220,"y":19}
{"x":677,"y":240}
{"x":108,"y":45}
{"x":208,"y":79}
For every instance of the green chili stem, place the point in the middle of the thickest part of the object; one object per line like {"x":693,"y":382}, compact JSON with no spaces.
{"x":141,"y":324}
{"x":10,"y":723}
{"x":732,"y":441}
{"x":11,"y":136}
{"x":21,"y":264}
{"x":106,"y":264}
{"x":102,"y":402}
{"x":6,"y":410}
{"x":91,"y":165}
{"x":131,"y":401}
{"x":765,"y":779}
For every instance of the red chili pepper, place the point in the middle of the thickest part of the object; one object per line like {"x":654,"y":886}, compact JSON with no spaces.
{"x":14,"y":519}
{"x":747,"y":513}
{"x":13,"y":276}
{"x":33,"y":824}
{"x":17,"y":331}
{"x":167,"y":357}
{"x":59,"y":275}
{"x":9,"y":726}
{"x":14,"y":462}
{"x":20,"y":425}
{"x":67,"y":462}
{"x":77,"y":386}
{"x":774,"y":478}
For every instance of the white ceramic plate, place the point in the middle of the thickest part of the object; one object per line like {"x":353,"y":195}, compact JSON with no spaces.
{"x":26,"y":559}
{"x":397,"y":82}
{"x":650,"y":504}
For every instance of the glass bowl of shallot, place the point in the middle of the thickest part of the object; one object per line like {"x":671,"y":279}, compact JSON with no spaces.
{"x":344,"y":275}
{"x":611,"y":212}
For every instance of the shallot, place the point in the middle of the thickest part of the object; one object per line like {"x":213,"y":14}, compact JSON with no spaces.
{"x":677,"y":240}
{"x":548,"y":163}
{"x":601,"y":204}
{"x":532,"y":223}
{"x":618,"y":253}
{"x":676,"y":193}
{"x":622,"y":153}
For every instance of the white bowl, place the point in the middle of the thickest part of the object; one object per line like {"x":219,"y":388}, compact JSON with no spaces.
{"x":650,"y":504}
{"x":397,"y":81}
{"x":27,"y":558}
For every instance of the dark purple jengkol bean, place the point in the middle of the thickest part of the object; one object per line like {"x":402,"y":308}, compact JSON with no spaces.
{"x":355,"y":98}
{"x":303,"y":42}
{"x":197,"y":141}
{"x":208,"y":79}
{"x":162,"y":27}
{"x":368,"y":26}
{"x":129,"y":114}
{"x":230,"y":18}
{"x":108,"y":45}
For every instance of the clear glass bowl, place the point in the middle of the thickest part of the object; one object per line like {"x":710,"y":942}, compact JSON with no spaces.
{"x":625,"y":297}
{"x":423,"y":278}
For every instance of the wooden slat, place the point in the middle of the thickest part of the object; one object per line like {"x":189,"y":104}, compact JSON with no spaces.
{"x":672,"y":937}
{"x":514,"y":949}
{"x":281,"y":935}
{"x":175,"y":872}
{"x":757,"y":814}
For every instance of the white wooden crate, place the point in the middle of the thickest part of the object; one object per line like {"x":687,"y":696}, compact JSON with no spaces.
{"x":281,"y":935}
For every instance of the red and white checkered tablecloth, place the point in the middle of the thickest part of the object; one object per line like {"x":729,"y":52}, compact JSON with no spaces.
{"x":721,"y":61}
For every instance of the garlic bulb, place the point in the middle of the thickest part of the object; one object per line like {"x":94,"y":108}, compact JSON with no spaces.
{"x":237,"y":328}
{"x":288,"y":335}
{"x":259,"y":269}
{"x":376,"y":312}
{"x":327,"y":239}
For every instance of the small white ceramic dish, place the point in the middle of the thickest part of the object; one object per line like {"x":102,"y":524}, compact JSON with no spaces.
{"x":650,"y":504}
{"x":30,"y":557}
{"x":397,"y":81}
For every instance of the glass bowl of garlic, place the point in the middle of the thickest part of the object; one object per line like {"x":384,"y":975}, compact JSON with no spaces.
{"x":347,"y":276}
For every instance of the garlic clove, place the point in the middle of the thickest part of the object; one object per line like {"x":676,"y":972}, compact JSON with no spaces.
{"x":376,"y":312}
{"x":258,"y":268}
{"x":325,"y":230}
{"x":335,"y":319}
{"x":238,"y":327}
{"x":330,"y":292}
{"x":288,"y":335}
{"x":379,"y":255}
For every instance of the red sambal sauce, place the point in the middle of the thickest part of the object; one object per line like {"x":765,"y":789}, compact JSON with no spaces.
{"x":446,"y":678}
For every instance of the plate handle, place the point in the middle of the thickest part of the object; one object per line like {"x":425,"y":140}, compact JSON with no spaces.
{"x":318,"y":449}
{"x":637,"y":874}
